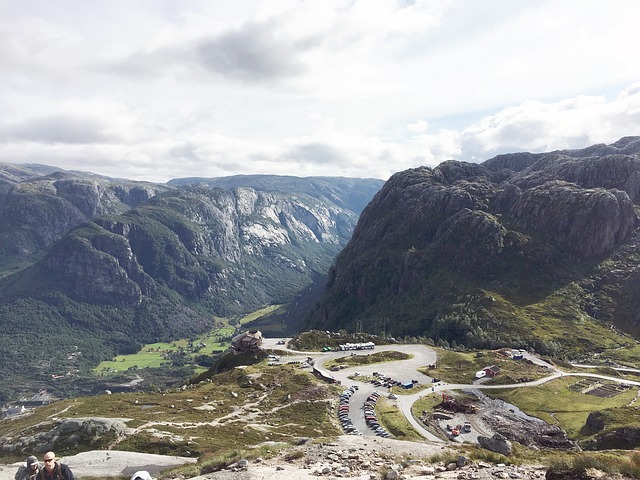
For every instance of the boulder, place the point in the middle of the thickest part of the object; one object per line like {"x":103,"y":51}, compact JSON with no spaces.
{"x":498,"y":443}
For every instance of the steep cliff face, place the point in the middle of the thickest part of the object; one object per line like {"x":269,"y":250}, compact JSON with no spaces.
{"x":40,"y":204}
{"x":125,"y":262}
{"x":241,"y":247}
{"x":436,"y":248}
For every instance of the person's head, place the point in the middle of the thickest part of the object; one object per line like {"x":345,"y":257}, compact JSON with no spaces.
{"x":49,"y":460}
{"x":141,"y":475}
{"x":32,"y":462}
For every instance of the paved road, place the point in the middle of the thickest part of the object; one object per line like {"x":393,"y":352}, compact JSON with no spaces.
{"x":402,"y":370}
{"x":406,"y":370}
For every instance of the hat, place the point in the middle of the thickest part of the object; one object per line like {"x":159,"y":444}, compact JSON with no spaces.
{"x":31,"y":460}
{"x":141,"y":475}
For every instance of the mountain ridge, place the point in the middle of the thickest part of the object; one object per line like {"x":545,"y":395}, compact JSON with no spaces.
{"x":458,"y":251}
{"x":113,"y":264}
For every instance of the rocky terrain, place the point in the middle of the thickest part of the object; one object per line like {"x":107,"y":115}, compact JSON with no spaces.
{"x":485,"y":254}
{"x":347,"y":457}
{"x":108,"y":264}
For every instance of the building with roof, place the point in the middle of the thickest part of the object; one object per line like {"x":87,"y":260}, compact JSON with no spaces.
{"x":247,"y":342}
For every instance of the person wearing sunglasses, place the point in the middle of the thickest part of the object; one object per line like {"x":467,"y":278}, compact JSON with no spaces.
{"x":54,"y":470}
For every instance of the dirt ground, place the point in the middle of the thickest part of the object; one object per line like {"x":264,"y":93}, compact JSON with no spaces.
{"x":495,"y":416}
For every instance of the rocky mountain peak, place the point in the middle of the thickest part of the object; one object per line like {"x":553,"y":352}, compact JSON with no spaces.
{"x":516,"y":224}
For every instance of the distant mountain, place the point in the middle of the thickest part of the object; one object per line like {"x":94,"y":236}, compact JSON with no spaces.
{"x":350,"y":193}
{"x":538,"y":250}
{"x":101,"y":265}
{"x":39,"y":204}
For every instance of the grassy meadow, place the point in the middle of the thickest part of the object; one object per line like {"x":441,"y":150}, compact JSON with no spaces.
{"x":156,"y":355}
{"x":556,"y":403}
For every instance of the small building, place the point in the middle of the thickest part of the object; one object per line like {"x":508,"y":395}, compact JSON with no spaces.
{"x":491,"y":371}
{"x":247,"y":342}
{"x":324,"y":376}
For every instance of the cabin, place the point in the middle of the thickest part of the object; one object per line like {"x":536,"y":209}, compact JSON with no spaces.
{"x":247,"y":342}
{"x":491,"y":371}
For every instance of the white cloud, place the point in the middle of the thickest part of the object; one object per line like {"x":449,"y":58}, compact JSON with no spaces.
{"x":538,"y":127}
{"x":419,"y":126}
{"x":163,"y":89}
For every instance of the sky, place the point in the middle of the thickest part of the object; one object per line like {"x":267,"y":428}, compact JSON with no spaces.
{"x":158,"y":89}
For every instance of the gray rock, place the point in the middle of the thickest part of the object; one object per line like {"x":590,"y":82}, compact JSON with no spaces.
{"x":392,"y":475}
{"x":498,"y":443}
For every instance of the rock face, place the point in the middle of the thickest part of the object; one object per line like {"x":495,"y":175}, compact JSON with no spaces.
{"x":68,"y":433}
{"x":108,"y":264}
{"x":497,"y":443}
{"x":595,"y":422}
{"x":204,"y":243}
{"x":528,"y":431}
{"x":625,"y":438}
{"x":434,"y":241}
{"x":38,"y":205}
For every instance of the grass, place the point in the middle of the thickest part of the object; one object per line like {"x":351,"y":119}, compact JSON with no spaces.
{"x":461,"y":367}
{"x":555,"y":403}
{"x":235,"y":412}
{"x":625,"y":463}
{"x":368,"y":358}
{"x":547,"y":321}
{"x":259,"y":313}
{"x":629,"y":356}
{"x":154,"y":355}
{"x":392,"y":419}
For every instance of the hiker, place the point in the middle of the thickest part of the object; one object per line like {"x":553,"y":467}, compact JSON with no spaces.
{"x":30,"y":470}
{"x":54,"y":470}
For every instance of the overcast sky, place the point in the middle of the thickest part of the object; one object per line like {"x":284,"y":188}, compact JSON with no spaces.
{"x":159,"y":89}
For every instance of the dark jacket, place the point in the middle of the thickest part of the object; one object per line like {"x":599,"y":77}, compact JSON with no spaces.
{"x":60,"y":472}
{"x":23,"y":473}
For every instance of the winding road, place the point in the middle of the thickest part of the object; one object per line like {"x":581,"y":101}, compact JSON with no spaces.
{"x":407,"y":370}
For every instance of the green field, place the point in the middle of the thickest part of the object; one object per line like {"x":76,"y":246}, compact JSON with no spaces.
{"x":156,"y":354}
{"x":556,"y":403}
{"x":461,"y":367}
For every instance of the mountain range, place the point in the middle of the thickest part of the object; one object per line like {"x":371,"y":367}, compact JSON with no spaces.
{"x":531,"y":250}
{"x":92,"y":266}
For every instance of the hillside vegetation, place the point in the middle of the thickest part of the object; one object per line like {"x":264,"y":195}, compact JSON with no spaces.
{"x":526,"y":250}
{"x":93,"y":267}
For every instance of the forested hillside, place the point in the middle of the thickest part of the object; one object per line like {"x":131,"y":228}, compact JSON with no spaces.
{"x":95,"y":266}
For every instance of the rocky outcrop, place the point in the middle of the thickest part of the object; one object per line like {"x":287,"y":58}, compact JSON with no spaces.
{"x":497,"y":443}
{"x":588,"y":222}
{"x":595,"y":422}
{"x":624,"y":438}
{"x":93,"y":432}
{"x":520,"y":225}
{"x":528,"y":431}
